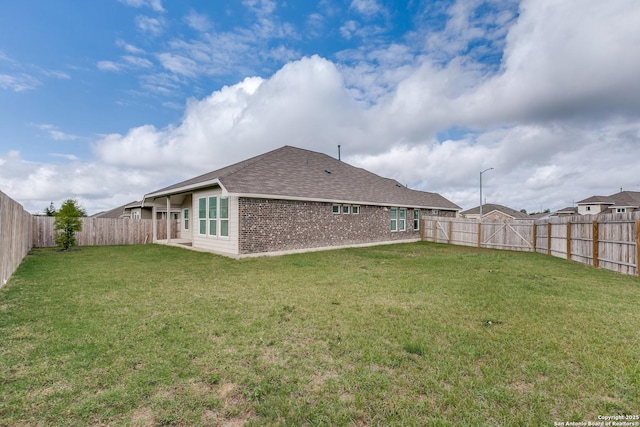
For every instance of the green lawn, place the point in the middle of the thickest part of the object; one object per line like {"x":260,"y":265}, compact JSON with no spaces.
{"x":410,"y":334}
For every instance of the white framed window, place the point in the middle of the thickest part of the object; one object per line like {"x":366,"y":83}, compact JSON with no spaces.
{"x":402,"y":219}
{"x":202,"y":215}
{"x":621,"y":210}
{"x":416,"y":219}
{"x":224,"y":216}
{"x":135,"y":214}
{"x":346,"y":209}
{"x":588,"y":208}
{"x":335,"y":209}
{"x":355,"y":210}
{"x":213,"y":216}
{"x":185,"y":218}
{"x":394,"y":219}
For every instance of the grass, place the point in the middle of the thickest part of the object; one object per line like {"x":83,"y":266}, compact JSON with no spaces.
{"x":409,"y":334}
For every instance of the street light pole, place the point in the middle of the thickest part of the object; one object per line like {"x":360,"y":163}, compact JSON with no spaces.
{"x":488,"y":169}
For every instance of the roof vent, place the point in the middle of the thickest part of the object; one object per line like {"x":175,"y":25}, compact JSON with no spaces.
{"x":398,"y":185}
{"x":327,"y":171}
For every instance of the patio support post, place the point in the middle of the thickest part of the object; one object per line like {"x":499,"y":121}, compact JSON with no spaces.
{"x":154,"y":224}
{"x":168,"y":219}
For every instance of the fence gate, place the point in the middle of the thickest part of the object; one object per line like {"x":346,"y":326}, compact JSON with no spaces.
{"x":505,"y":235}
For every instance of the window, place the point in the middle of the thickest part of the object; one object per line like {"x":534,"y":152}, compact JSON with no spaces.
{"x":394,"y":219}
{"x":621,"y":210}
{"x":416,"y":219}
{"x":135,"y":214}
{"x":213,"y":216}
{"x":224,"y":216}
{"x":202,"y":215}
{"x":185,"y":217}
{"x":588,"y":208}
{"x":402,"y":220}
{"x":336,"y":209}
{"x":346,"y":209}
{"x":355,"y":210}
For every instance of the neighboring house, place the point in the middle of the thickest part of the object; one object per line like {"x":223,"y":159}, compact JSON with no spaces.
{"x":293,"y":200}
{"x":135,"y":210}
{"x":568,"y":211}
{"x":113,"y":213}
{"x":622,"y":202}
{"x":492,"y":212}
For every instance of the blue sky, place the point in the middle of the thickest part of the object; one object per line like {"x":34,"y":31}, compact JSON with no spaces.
{"x":107,"y":100}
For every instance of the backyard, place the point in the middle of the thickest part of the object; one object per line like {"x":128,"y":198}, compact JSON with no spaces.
{"x":412,"y":334}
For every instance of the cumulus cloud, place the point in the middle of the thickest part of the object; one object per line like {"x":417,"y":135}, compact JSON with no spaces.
{"x":96,"y":186}
{"x":230,"y":123}
{"x":562,"y":60}
{"x":557,"y":116}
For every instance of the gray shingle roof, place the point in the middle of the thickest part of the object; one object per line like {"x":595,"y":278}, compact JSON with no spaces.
{"x":291,"y":172}
{"x":623,"y":198}
{"x":490,"y":207}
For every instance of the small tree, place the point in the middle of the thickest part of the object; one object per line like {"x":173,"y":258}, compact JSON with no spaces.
{"x":68,"y":222}
{"x":50,"y":211}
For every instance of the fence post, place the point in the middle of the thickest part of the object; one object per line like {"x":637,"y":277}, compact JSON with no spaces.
{"x":479,"y":234}
{"x":548,"y":238}
{"x":422,"y":229}
{"x":450,"y":232}
{"x":638,"y":247}
{"x":568,"y":240}
{"x":595,"y":243}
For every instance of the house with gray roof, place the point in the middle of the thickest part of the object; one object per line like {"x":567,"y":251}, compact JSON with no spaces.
{"x":293,"y":200}
{"x":491,"y":212}
{"x":621,"y":202}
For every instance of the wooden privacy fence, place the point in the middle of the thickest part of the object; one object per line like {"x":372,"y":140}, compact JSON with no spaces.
{"x":15,"y":236}
{"x":104,"y":231}
{"x":605,"y":241}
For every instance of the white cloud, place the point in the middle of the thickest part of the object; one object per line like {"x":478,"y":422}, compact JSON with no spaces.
{"x":129,"y":47}
{"x":348,"y":29}
{"x":558,"y":118}
{"x":19,"y":82}
{"x":179,"y":64}
{"x":96,"y":186}
{"x":137,"y":62}
{"x":156,"y":5}
{"x":109,"y":66}
{"x":366,"y":7}
{"x":565,"y":59}
{"x":150,"y":25}
{"x":198,"y":22}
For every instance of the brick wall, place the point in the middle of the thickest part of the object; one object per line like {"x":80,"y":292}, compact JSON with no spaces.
{"x":279,"y":225}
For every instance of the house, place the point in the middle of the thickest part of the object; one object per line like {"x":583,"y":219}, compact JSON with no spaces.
{"x":492,"y":212}
{"x":622,"y":202}
{"x":568,"y":211}
{"x":112,"y":213}
{"x":135,"y":210}
{"x":294,"y":200}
